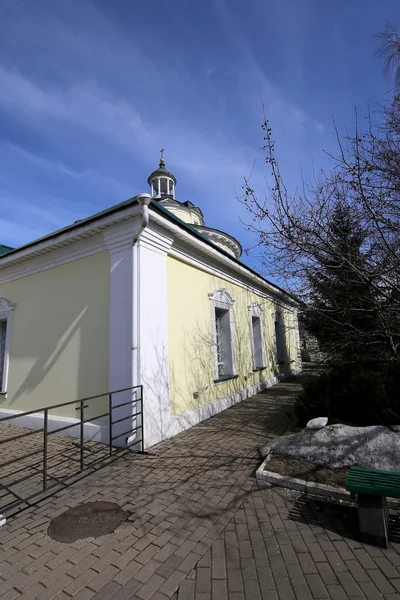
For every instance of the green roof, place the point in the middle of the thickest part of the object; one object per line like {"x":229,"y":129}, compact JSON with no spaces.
{"x":5,"y":249}
{"x":205,"y":239}
{"x":161,"y":171}
{"x":159,"y":208}
{"x":78,"y":223}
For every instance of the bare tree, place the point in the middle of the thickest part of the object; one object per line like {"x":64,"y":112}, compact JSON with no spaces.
{"x":360,"y":317}
{"x":389,"y":51}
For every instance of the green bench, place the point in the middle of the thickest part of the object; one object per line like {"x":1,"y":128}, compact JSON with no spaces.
{"x":373,"y":487}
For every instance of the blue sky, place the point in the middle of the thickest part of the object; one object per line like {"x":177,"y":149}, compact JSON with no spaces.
{"x":91,"y":89}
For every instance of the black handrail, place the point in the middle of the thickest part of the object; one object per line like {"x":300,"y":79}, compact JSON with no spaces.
{"x":19,"y":502}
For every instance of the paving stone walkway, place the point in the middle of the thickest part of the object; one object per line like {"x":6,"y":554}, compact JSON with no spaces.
{"x":199,"y":527}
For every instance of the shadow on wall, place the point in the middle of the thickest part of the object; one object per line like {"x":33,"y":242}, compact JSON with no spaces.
{"x":188,"y":378}
{"x":55,"y":344}
{"x":56,"y":361}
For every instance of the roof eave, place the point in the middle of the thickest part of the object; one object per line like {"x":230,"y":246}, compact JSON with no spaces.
{"x":190,"y":230}
{"x":78,"y":230}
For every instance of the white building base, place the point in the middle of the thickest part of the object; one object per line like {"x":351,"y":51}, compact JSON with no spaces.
{"x":98,"y":432}
{"x":179,"y":423}
{"x":93,"y":432}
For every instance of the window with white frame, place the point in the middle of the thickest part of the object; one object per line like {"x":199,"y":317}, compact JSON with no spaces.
{"x":222,"y":304}
{"x":5,"y":336}
{"x":279,"y":338}
{"x":256,"y":330}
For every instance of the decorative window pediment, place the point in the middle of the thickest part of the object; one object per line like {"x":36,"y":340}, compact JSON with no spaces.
{"x":5,"y":306}
{"x":224,"y":362}
{"x":255,"y":309}
{"x":221,"y":299}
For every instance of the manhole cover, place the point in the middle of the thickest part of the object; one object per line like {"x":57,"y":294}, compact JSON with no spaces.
{"x":91,"y":519}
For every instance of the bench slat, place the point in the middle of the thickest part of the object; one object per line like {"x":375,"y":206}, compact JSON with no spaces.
{"x":374,"y":482}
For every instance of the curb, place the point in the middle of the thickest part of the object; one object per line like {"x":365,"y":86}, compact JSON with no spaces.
{"x":291,"y":483}
{"x":308,"y":487}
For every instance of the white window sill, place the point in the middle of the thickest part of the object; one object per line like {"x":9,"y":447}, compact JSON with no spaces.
{"x":3,"y":394}
{"x":225,"y":378}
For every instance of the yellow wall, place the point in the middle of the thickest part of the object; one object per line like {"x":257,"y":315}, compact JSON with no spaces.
{"x":191,"y":352}
{"x":59,"y":337}
{"x":188,"y":216}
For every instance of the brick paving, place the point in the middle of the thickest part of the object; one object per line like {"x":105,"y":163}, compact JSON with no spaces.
{"x":282,"y":546}
{"x":23,"y":457}
{"x":199,"y":527}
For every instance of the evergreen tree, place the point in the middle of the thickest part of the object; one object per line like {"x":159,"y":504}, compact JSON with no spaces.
{"x":343,"y":312}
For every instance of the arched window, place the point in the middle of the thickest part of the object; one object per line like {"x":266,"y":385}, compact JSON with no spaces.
{"x":6,"y":309}
{"x":222,"y":304}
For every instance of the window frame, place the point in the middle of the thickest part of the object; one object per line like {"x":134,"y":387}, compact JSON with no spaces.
{"x":221,"y":299}
{"x":255,"y":311}
{"x":279,"y":347}
{"x":6,"y":312}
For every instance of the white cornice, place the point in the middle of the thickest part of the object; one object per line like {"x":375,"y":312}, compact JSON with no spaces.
{"x":64,"y":238}
{"x":190,"y":249}
{"x":88,"y":239}
{"x":5,"y":306}
{"x":71,"y":245}
{"x":222,"y":239}
{"x":120,"y":236}
{"x":55,"y":258}
{"x":156,"y":238}
{"x":208,"y":266}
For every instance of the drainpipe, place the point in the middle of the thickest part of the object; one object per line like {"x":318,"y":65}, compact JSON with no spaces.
{"x":144,"y":200}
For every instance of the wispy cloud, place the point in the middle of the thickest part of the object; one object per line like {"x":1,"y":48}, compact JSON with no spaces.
{"x":93,"y":103}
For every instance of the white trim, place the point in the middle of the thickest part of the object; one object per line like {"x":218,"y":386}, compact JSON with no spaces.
{"x":79,"y":234}
{"x":152,"y":251}
{"x":6,"y":311}
{"x":232,"y":343}
{"x":192,"y":257}
{"x":93,"y":432}
{"x":223,"y":300}
{"x":190,"y":240}
{"x":182,"y":422}
{"x":279,"y":324}
{"x":256,"y":310}
{"x":57,"y":257}
{"x":225,"y":242}
{"x":5,"y":307}
{"x":63,"y":248}
{"x":206,"y":264}
{"x":298,"y":345}
{"x":292,"y":483}
{"x":119,"y":240}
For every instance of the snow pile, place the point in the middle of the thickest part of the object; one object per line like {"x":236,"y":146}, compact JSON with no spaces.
{"x":337,"y":446}
{"x":317,"y":423}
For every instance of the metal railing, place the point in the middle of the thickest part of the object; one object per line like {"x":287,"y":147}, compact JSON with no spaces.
{"x":47,"y":475}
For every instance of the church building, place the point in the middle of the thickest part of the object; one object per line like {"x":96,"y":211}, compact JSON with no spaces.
{"x":141,"y":294}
